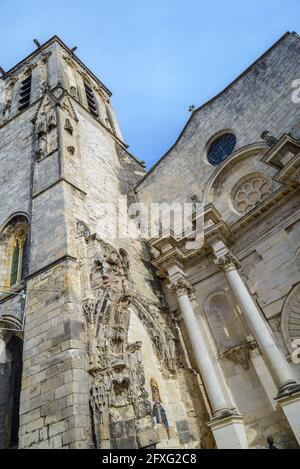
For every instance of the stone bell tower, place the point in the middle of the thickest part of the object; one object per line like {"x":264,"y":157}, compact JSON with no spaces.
{"x":99,"y":345}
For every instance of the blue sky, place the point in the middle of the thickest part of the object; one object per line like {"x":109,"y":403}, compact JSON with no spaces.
{"x":156,"y":56}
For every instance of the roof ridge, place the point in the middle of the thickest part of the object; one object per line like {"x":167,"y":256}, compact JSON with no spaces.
{"x":43,"y":46}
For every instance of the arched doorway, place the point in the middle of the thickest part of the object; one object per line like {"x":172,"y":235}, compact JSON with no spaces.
{"x":10,"y":389}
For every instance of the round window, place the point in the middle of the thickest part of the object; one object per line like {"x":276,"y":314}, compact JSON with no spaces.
{"x":221,"y":148}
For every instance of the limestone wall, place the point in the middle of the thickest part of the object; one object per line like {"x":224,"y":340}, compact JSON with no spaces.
{"x":260,"y":100}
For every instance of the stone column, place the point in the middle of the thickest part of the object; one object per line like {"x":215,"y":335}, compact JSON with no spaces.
{"x":288,"y":389}
{"x":233,"y":434}
{"x":206,"y":367}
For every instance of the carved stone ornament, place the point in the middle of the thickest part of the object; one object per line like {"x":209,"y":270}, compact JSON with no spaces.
{"x":46,"y":129}
{"x":82,"y":229}
{"x":251,"y":192}
{"x":70,"y":61}
{"x":227,"y":262}
{"x":51,"y":121}
{"x":115,"y":366}
{"x":71,"y":150}
{"x":181,"y":287}
{"x":28,"y":68}
{"x":240,"y":354}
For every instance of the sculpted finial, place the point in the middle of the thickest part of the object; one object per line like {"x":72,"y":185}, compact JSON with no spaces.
{"x":227,"y":262}
{"x":181,"y":287}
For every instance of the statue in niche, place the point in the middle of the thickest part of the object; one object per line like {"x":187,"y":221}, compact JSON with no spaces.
{"x":46,"y":129}
{"x":113,"y":261}
{"x":158,"y":412}
{"x":120,"y":385}
{"x":97,"y":273}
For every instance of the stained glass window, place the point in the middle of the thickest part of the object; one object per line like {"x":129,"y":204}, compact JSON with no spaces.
{"x":221,"y":148}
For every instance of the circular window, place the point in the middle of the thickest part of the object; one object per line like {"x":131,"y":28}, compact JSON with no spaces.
{"x":251,"y":192}
{"x":221,"y":148}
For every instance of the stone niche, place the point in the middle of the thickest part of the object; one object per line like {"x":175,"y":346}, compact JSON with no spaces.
{"x":225,"y":323}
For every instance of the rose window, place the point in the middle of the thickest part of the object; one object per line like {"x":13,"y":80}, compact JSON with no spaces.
{"x":251,"y":192}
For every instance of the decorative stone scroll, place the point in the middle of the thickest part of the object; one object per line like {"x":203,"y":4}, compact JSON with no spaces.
{"x":118,"y":395}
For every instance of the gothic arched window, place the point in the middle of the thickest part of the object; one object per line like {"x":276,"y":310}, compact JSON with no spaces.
{"x":110,"y":119}
{"x":221,"y":148}
{"x":19,"y":257}
{"x":224,"y":320}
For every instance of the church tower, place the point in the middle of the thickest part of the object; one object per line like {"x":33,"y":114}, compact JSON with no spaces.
{"x":87,"y":343}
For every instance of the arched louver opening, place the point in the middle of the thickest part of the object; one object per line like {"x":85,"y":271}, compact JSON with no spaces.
{"x":25,"y":93}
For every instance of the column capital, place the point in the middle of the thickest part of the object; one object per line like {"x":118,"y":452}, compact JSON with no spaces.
{"x":227,"y":262}
{"x":181,"y":287}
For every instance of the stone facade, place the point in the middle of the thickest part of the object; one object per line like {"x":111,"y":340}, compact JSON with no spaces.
{"x":112,"y":356}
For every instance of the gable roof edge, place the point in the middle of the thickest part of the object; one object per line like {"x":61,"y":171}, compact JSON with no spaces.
{"x":214,"y":98}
